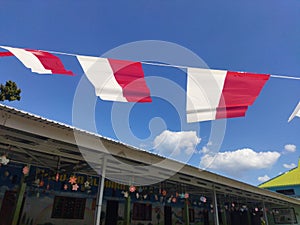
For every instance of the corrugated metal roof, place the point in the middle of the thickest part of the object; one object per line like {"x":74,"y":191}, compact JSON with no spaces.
{"x":61,"y":125}
{"x":188,"y":174}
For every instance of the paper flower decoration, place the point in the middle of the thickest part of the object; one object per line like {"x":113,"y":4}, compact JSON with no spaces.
{"x":186,"y":195}
{"x":57,"y":177}
{"x":65,"y":187}
{"x":41,"y":184}
{"x":87,"y":185}
{"x":203,"y":199}
{"x":25,"y":170}
{"x":174,"y":200}
{"x":164,"y":192}
{"x":4,"y":160}
{"x":75,"y":187}
{"x":132,"y":188}
{"x":72,"y":179}
{"x":126,"y":194}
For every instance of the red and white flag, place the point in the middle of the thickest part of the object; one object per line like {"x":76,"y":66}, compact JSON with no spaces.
{"x":296,"y":112}
{"x":5,"y":54}
{"x":116,"y":80}
{"x":38,"y":61}
{"x":217,"y":94}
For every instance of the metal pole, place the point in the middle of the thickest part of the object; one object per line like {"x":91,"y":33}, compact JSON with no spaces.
{"x":20,"y":197}
{"x":127,"y":211}
{"x":265,"y":214}
{"x":100,"y":193}
{"x":186,"y":212}
{"x":216,"y":215}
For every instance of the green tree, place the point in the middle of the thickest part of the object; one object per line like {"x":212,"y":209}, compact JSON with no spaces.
{"x":9,"y":91}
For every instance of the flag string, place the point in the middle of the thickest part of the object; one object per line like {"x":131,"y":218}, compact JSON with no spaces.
{"x":169,"y":65}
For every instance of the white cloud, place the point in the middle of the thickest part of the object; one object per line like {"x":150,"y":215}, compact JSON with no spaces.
{"x":290,"y":148}
{"x":173,"y":144}
{"x":264,"y":178}
{"x":239,"y":161}
{"x":205,"y":150}
{"x":289,"y":166}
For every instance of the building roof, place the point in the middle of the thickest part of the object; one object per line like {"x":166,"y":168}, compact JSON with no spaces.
{"x":29,"y":138}
{"x":290,"y":178}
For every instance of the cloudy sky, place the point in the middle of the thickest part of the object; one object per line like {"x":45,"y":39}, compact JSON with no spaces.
{"x":255,"y":36}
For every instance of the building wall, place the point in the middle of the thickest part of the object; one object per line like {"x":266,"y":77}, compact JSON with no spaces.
{"x":287,"y":189}
{"x":40,"y":199}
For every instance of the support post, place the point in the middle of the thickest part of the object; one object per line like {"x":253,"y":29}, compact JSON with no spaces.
{"x":100,"y":193}
{"x":127,"y":211}
{"x":265,"y":214}
{"x":215,"y":203}
{"x":186,"y":212}
{"x":20,"y":197}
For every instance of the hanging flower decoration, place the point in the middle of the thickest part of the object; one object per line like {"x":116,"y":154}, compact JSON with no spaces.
{"x":57,"y":177}
{"x":25,"y":170}
{"x":203,"y":199}
{"x":87,"y":185}
{"x":186,"y":195}
{"x":164,"y":192}
{"x":37,"y":182}
{"x":72,"y":179}
{"x":145,"y":196}
{"x":181,"y":195}
{"x":132,"y":188}
{"x":125,"y":193}
{"x":75,"y":187}
{"x":4,"y":160}
{"x":41,"y":184}
{"x":174,"y":200}
{"x":137,"y":195}
{"x":65,"y":187}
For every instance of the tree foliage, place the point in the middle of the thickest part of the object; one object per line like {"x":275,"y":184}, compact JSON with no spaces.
{"x":10,"y":91}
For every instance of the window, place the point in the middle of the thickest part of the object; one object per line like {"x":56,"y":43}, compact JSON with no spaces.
{"x":286,"y":191}
{"x":68,"y":207}
{"x":284,"y":216}
{"x":142,"y":211}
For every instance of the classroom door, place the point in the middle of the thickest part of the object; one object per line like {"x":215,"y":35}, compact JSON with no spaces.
{"x":8,"y":207}
{"x":168,"y":215}
{"x":112,"y":208}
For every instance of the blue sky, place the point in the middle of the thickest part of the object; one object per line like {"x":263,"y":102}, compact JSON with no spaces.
{"x":254,"y":36}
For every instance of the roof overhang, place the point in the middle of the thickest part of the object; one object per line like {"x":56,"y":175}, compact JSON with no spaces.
{"x":32,"y":139}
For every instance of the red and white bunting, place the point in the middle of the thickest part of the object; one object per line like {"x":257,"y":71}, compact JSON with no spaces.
{"x":296,"y":112}
{"x":216,"y":94}
{"x":116,"y":80}
{"x":38,"y":61}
